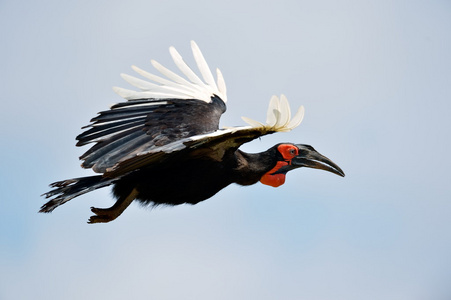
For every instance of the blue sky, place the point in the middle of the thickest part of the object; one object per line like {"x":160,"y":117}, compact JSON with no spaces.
{"x":375,"y":79}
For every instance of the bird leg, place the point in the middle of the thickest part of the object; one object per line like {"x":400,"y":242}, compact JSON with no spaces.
{"x":105,"y":215}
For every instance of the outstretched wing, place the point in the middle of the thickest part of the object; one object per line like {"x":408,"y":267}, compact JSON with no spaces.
{"x":162,"y":112}
{"x":215,"y":144}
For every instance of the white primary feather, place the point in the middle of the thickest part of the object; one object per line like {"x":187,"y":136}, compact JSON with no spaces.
{"x":180,"y":63}
{"x":297,"y":119}
{"x":285,"y":113}
{"x":159,"y":79}
{"x":139,"y":83}
{"x":278,"y":116}
{"x":253,"y":123}
{"x":169,"y":74}
{"x":132,"y":95}
{"x":146,"y":86}
{"x":221,"y":85}
{"x":164,"y":83}
{"x":203,"y":66}
{"x":271,"y":118}
{"x":176,"y":86}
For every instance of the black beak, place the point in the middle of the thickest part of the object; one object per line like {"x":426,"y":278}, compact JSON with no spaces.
{"x":310,"y":158}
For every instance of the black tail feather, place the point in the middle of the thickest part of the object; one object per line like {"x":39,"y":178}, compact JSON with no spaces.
{"x":68,"y":189}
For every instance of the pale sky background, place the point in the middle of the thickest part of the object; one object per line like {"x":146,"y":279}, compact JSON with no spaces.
{"x":375,"y":79}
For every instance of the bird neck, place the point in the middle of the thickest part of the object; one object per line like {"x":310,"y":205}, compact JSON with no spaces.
{"x":251,"y":167}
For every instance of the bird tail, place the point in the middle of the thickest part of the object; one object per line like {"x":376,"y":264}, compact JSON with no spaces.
{"x":68,"y":189}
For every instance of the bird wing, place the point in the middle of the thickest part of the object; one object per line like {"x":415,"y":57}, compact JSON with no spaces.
{"x":162,"y":112}
{"x":215,"y":144}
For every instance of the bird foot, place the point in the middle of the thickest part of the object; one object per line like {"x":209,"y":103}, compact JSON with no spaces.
{"x":105,"y":215}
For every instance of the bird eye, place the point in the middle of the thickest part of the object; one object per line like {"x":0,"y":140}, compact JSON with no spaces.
{"x":288,"y":151}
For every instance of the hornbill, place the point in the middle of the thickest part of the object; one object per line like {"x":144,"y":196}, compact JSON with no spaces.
{"x":164,"y":146}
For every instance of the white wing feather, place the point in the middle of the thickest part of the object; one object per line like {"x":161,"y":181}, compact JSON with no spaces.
{"x":203,"y":66}
{"x":221,"y":85}
{"x":278,"y":116}
{"x":175,"y":86}
{"x":181,"y":64}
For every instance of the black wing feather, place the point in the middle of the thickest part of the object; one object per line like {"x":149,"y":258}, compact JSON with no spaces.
{"x":140,"y":125}
{"x":105,"y":130}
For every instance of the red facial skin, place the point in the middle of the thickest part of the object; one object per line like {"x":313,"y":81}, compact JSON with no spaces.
{"x":275,"y":180}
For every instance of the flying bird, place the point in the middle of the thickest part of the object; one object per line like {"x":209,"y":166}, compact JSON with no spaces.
{"x":164,"y":146}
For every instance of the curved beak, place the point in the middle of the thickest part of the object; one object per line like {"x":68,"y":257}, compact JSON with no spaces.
{"x":310,"y":158}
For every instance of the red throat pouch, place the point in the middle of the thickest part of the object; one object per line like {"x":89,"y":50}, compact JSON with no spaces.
{"x":274,"y":180}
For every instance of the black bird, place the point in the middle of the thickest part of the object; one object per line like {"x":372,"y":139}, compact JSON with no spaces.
{"x":164,"y":145}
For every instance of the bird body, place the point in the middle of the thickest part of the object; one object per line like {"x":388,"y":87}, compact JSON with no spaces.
{"x":164,"y":145}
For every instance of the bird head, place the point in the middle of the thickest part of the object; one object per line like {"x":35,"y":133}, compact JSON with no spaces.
{"x":293,"y":156}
